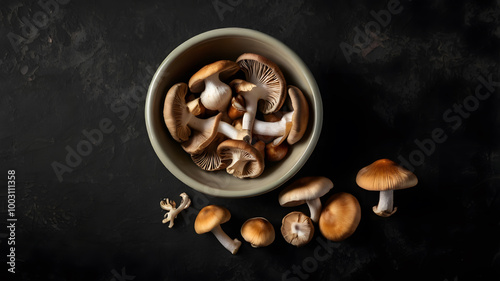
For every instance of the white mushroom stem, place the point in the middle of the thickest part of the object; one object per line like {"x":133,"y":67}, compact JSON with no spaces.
{"x":232,"y":245}
{"x":217,"y":94}
{"x":385,"y":203}
{"x":314,"y":208}
{"x":273,"y":129}
{"x":170,"y":206}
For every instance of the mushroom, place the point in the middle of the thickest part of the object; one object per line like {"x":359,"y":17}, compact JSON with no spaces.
{"x":306,"y":190}
{"x":215,"y":95}
{"x":265,"y":89}
{"x":172,"y":209}
{"x":276,"y":153}
{"x":385,"y":176}
{"x":209,"y":219}
{"x":237,"y":108}
{"x":245,"y":161}
{"x":180,"y":122}
{"x":340,"y":217}
{"x":297,"y":228}
{"x":259,"y":232}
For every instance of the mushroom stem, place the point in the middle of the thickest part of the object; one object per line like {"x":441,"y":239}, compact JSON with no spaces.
{"x":314,"y":208}
{"x":251,"y":99}
{"x":217,"y":94}
{"x":385,"y":205}
{"x":232,"y":245}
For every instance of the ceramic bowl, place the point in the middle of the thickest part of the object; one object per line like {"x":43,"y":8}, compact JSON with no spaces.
{"x":228,"y":44}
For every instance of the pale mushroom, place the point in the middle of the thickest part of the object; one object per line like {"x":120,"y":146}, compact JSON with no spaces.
{"x":340,"y":216}
{"x":265,"y":89}
{"x":209,"y":219}
{"x":297,"y":229}
{"x":215,"y":95}
{"x":385,"y":176}
{"x":259,"y":232}
{"x":245,"y":161}
{"x":171,"y":207}
{"x":306,"y":190}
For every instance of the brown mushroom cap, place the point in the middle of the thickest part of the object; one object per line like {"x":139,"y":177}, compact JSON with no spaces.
{"x":225,"y":68}
{"x":297,"y":228}
{"x":385,"y":174}
{"x":250,"y":161}
{"x":303,"y":189}
{"x":264,"y":73}
{"x":258,"y":231}
{"x":340,"y":216}
{"x":209,"y":217}
{"x":174,"y":110}
{"x":300,"y":114}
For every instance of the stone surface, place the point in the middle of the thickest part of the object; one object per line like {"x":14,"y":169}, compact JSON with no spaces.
{"x":404,"y":91}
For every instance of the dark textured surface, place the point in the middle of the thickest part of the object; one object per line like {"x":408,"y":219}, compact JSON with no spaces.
{"x":92,"y":61}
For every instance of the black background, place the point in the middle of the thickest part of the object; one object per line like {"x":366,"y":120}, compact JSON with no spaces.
{"x":102,"y":220}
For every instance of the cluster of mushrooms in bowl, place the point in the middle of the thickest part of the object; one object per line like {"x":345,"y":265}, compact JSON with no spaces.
{"x":223,"y":45}
{"x":236,"y":124}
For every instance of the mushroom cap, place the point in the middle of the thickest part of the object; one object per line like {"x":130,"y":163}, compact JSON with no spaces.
{"x":340,"y":216}
{"x":251,"y":158}
{"x":264,"y":73}
{"x":209,"y":217}
{"x":199,"y":140}
{"x":225,"y":69}
{"x":300,"y":114}
{"x":303,"y":189}
{"x":258,"y":231}
{"x":174,"y":111}
{"x":385,"y":174}
{"x":297,"y":228}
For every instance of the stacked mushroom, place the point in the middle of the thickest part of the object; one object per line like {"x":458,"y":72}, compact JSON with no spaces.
{"x":237,"y":125}
{"x":337,"y":220}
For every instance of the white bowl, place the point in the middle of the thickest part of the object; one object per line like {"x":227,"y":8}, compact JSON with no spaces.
{"x":205,"y":48}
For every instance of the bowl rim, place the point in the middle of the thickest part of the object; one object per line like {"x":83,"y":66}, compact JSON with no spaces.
{"x":237,"y":32}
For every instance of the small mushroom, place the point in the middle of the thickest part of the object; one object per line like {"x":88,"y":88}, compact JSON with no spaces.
{"x":209,"y":219}
{"x":385,"y":176}
{"x":245,"y":161}
{"x":259,"y":232}
{"x":306,"y":190}
{"x":276,"y":153}
{"x":340,"y":217}
{"x":215,"y":95}
{"x":196,"y":107}
{"x":265,"y":90}
{"x":172,"y":209}
{"x":297,"y":229}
